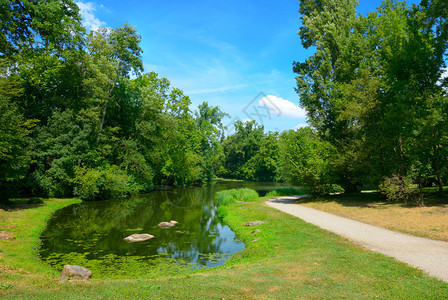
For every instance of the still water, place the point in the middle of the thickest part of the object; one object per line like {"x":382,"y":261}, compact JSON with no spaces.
{"x":91,"y":233}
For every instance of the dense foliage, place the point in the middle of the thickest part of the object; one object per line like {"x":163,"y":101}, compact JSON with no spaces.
{"x":79,"y":116}
{"x":374,"y":93}
{"x":249,"y":153}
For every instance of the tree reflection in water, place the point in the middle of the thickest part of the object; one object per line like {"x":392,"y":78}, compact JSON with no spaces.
{"x":95,"y":230}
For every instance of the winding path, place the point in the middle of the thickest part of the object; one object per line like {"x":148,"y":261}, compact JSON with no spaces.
{"x":425,"y":254}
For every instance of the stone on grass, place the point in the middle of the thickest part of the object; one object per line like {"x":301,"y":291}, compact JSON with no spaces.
{"x":165,"y":225}
{"x":75,"y":272}
{"x":253,"y":223}
{"x":255,"y":231}
{"x":4,"y":235}
{"x":138,"y":237}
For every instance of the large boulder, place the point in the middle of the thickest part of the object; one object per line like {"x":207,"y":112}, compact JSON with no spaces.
{"x":138,"y":237}
{"x":4,"y":235}
{"x":75,"y":272}
{"x":165,"y":225}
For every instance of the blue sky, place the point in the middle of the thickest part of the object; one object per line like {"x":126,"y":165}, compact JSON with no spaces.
{"x":233,"y":54}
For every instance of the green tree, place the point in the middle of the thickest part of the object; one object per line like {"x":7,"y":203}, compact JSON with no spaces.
{"x":370,"y":85}
{"x":58,"y":148}
{"x":263,"y":165}
{"x":240,"y":147}
{"x":167,"y":132}
{"x":326,"y":26}
{"x":114,"y":54}
{"x":211,"y":130}
{"x":306,"y":160}
{"x":38,"y":25}
{"x":14,"y":148}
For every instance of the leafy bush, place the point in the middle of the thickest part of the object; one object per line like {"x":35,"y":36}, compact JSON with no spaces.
{"x":397,"y":188}
{"x":326,"y":189}
{"x":287,"y":191}
{"x":96,"y":184}
{"x":227,"y":197}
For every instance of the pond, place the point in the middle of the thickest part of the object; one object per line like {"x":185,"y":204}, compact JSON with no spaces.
{"x":92,"y":234}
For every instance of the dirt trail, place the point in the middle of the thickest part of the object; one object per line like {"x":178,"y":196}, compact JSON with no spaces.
{"x":428,"y":255}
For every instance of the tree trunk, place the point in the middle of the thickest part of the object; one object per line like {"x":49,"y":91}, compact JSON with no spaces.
{"x":109,"y":92}
{"x":437,"y":169}
{"x":102,"y":122}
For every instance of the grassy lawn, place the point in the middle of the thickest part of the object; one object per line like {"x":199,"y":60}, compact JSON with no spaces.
{"x":290,"y":259}
{"x":430,"y":221}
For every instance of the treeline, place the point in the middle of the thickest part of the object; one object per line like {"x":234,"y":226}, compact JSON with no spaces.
{"x":376,"y":101}
{"x":375,"y":94}
{"x":79,"y":116}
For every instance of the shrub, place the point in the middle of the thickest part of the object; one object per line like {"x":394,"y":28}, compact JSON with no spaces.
{"x":326,"y":189}
{"x":397,"y":188}
{"x":96,"y":184}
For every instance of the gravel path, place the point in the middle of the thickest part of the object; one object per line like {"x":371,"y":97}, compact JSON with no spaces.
{"x":428,"y":255}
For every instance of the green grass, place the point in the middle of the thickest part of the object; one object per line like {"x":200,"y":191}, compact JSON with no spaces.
{"x":26,"y":222}
{"x":231,"y":196}
{"x":227,"y":197}
{"x":290,"y":260}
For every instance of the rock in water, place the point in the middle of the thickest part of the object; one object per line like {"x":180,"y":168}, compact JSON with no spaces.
{"x":4,"y":235}
{"x":253,"y":223}
{"x":165,"y":225}
{"x":138,"y":237}
{"x":75,"y":272}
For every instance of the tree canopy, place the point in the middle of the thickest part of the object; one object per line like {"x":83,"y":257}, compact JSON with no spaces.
{"x":373,"y":88}
{"x":79,"y":115}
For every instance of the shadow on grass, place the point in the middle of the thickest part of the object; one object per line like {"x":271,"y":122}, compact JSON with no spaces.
{"x":374,"y":199}
{"x":18,"y":204}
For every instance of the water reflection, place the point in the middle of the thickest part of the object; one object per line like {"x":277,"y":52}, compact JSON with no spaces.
{"x":94,"y":231}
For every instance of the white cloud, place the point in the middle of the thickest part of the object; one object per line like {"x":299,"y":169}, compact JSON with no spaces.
{"x":444,"y":74}
{"x":87,"y":11}
{"x":300,"y":126}
{"x":284,"y":107}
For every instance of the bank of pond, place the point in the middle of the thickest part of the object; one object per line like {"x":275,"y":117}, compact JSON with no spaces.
{"x":92,"y":234}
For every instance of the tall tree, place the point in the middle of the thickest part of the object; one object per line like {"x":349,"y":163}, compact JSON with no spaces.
{"x":240,"y":147}
{"x":305,"y":159}
{"x":211,"y":130}
{"x":115,"y":54}
{"x":370,"y":83}
{"x":14,"y":148}
{"x":326,"y":26}
{"x":28,"y":25}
